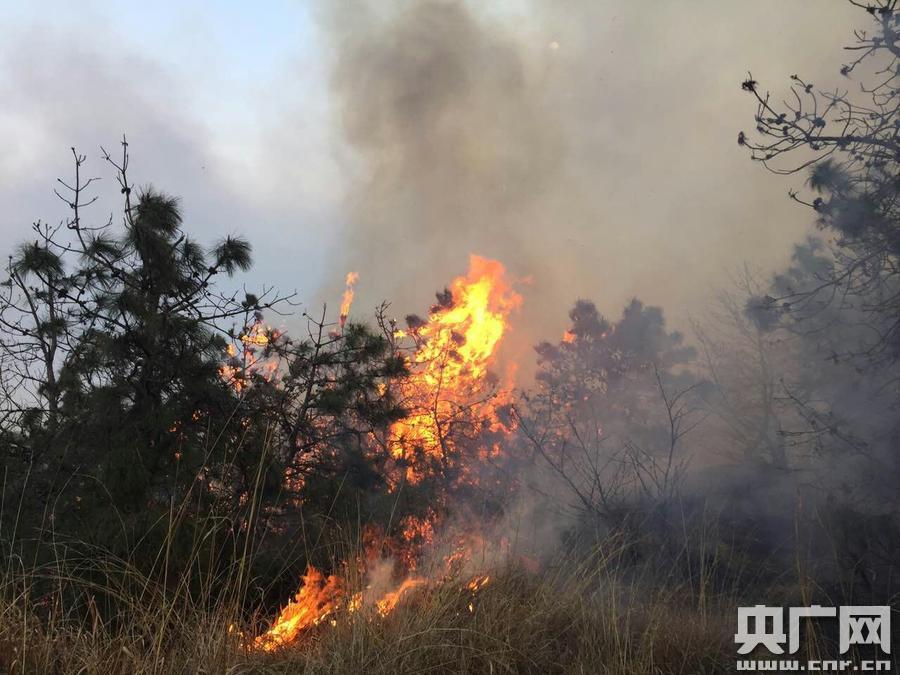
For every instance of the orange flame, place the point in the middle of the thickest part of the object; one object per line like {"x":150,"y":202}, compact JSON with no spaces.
{"x":243,"y":361}
{"x":478,"y":583}
{"x":454,"y":349}
{"x":347,"y":300}
{"x":316,"y":600}
{"x":449,"y":361}
{"x":386,"y":604}
{"x":474,"y":586}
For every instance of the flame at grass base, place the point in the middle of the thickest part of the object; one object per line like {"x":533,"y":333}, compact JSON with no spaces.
{"x":318,"y":598}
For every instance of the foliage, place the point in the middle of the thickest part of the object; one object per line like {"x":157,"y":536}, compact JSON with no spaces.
{"x":612,"y":407}
{"x":849,"y":147}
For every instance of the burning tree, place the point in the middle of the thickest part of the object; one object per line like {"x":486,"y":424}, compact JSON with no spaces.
{"x":454,"y":402}
{"x":428,"y":459}
{"x":146,"y":386}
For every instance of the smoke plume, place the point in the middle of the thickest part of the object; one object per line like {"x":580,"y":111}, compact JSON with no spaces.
{"x":517,"y":131}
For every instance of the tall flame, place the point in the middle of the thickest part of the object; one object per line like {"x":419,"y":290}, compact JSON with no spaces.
{"x":448,"y":388}
{"x":455,"y":347}
{"x":347,"y":300}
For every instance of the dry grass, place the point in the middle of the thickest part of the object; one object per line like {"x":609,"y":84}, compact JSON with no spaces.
{"x":523,"y":624}
{"x":91,"y":613}
{"x":569,"y":619}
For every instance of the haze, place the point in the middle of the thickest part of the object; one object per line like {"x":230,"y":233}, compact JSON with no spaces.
{"x":589,"y":146}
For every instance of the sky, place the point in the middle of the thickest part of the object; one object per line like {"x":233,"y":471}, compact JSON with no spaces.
{"x":588,"y":145}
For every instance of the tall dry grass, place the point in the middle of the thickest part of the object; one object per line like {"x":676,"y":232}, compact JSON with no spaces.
{"x":87,"y":611}
{"x":573,"y":617}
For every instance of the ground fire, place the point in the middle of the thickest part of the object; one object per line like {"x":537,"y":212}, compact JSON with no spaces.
{"x":454,"y":425}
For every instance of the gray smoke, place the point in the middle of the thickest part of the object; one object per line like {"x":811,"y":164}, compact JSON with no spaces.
{"x":462,"y":150}
{"x":567,"y":140}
